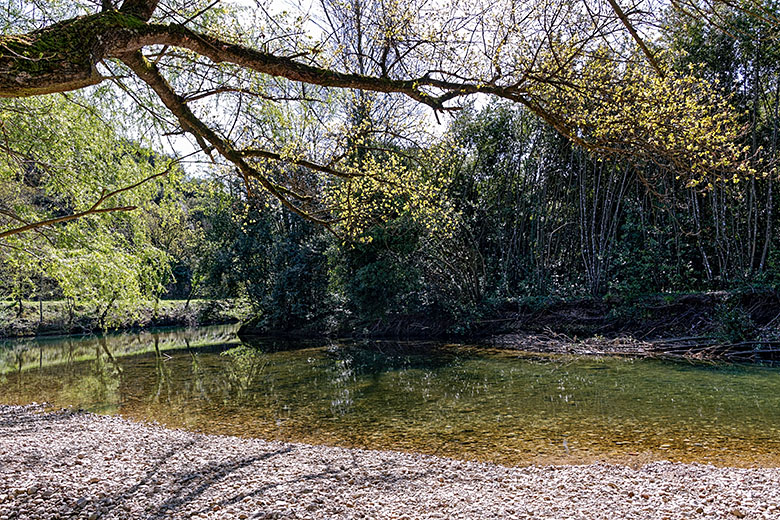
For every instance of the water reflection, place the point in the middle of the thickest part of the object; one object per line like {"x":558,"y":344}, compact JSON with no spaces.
{"x":443,"y":399}
{"x":27,"y":353}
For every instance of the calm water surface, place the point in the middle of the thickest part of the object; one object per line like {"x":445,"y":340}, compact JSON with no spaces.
{"x":451,"y":400}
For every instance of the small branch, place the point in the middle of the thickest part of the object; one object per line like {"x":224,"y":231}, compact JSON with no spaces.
{"x":249,"y":92}
{"x":95,"y":209}
{"x":58,"y":220}
{"x":635,"y":35}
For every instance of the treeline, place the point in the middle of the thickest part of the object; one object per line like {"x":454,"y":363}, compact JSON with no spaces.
{"x":537,"y":218}
{"x":523,"y":216}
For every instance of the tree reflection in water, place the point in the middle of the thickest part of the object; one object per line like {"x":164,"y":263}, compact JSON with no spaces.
{"x":443,"y":399}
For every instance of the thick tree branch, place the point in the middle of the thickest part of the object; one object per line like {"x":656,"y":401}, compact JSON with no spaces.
{"x":115,"y":34}
{"x":63,"y":57}
{"x":220,"y":51}
{"x":150,"y":75}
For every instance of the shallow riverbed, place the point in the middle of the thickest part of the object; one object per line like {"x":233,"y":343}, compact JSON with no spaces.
{"x":453,"y":400}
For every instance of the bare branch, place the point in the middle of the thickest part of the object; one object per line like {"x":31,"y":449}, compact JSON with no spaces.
{"x":149,"y":74}
{"x":635,"y":35}
{"x":249,"y":92}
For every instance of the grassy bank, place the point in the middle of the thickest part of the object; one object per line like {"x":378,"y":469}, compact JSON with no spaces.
{"x":60,"y":317}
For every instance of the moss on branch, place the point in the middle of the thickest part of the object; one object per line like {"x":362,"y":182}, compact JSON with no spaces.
{"x":60,"y":57}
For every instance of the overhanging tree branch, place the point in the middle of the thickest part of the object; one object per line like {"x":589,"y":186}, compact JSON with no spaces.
{"x":150,"y":74}
{"x":553,"y":82}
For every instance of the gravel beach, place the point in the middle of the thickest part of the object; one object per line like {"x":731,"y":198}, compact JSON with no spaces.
{"x":78,"y":465}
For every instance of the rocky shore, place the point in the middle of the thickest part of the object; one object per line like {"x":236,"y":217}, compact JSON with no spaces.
{"x":77,"y":465}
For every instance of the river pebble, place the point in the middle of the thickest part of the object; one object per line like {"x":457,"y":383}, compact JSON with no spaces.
{"x":76,"y":465}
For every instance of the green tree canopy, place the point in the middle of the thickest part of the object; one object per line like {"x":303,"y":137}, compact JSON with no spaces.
{"x":232,"y":76}
{"x":63,"y":161}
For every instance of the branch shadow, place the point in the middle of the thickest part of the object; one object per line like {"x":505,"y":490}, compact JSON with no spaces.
{"x":177,"y":490}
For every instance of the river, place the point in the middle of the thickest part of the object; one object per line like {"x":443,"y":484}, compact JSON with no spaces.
{"x":462,"y":401}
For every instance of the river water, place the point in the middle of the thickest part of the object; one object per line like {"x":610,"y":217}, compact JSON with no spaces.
{"x":454,"y":400}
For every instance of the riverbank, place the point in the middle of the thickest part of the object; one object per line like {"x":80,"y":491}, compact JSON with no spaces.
{"x":59,"y":318}
{"x":739,"y":326}
{"x":731,"y":326}
{"x":65,"y":464}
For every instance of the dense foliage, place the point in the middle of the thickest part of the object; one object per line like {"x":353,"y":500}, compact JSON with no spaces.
{"x":61,"y":159}
{"x":663,"y":181}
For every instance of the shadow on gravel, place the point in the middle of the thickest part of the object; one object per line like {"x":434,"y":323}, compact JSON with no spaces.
{"x":170,"y":487}
{"x":354,"y":476}
{"x":259,"y":491}
{"x":171,"y":497}
{"x":191,"y":485}
{"x":26,"y":420}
